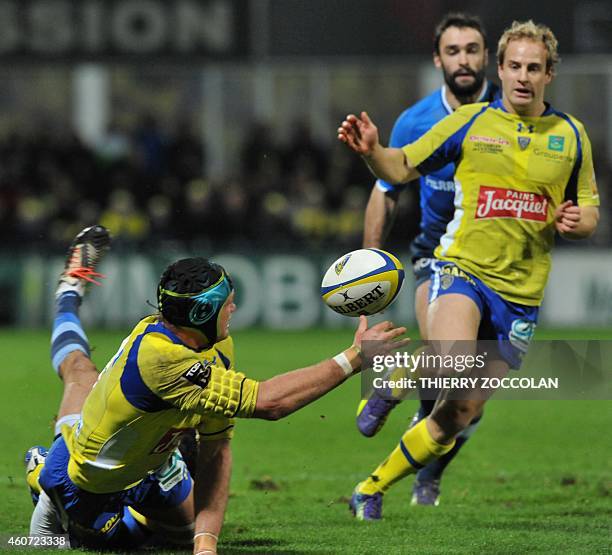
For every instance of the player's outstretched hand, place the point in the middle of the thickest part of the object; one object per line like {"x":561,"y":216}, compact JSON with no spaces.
{"x":567,"y":217}
{"x":380,"y":339}
{"x":359,"y":133}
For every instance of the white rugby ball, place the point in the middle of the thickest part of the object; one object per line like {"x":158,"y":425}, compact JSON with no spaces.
{"x":364,"y":281}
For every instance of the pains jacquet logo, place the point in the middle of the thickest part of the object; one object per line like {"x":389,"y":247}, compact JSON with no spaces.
{"x":340,"y":266}
{"x":556,"y":143}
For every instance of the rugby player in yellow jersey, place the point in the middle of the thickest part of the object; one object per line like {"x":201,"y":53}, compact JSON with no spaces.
{"x":523,"y":171}
{"x":461,"y":53}
{"x":115,"y":475}
{"x":70,"y":353}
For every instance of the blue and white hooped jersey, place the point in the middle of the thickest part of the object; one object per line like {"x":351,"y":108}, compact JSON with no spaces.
{"x":437,"y":189}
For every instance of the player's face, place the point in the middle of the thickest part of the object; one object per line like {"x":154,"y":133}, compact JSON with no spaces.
{"x":524,"y":77}
{"x":225,"y":315}
{"x":463,"y":60}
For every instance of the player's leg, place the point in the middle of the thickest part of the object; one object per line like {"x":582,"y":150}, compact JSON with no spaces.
{"x":77,"y":372}
{"x":426,"y":487}
{"x":70,"y":352}
{"x":421,"y":305}
{"x":503,"y":319}
{"x":372,"y":413}
{"x":45,"y":520}
{"x":512,"y":326}
{"x":169,"y":525}
{"x":454,"y":317}
{"x":69,"y":344}
{"x":162,"y":505}
{"x":451,"y":317}
{"x":157,"y":510}
{"x":91,"y":520}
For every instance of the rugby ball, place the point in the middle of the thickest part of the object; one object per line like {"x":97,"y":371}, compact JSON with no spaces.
{"x":364,"y":281}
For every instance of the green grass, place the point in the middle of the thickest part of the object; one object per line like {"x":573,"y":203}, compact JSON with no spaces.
{"x":536,"y":478}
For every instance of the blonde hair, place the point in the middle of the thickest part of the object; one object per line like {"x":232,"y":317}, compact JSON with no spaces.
{"x":532,"y":31}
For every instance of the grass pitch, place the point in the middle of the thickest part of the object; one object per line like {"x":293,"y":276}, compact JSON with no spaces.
{"x":535,"y":478}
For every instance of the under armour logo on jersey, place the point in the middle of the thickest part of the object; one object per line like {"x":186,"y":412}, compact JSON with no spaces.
{"x":525,"y":128}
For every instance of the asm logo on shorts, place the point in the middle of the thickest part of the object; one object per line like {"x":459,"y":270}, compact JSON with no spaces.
{"x":448,"y":272}
{"x":495,"y":202}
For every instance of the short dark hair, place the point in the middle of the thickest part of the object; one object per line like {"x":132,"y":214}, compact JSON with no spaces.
{"x":460,"y":20}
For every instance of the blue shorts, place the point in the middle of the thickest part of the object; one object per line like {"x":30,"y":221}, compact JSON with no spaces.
{"x":421,"y":256}
{"x":102,"y":519}
{"x":422,"y":270}
{"x":512,"y":325}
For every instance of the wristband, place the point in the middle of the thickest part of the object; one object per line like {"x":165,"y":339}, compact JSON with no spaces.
{"x":209,"y":544}
{"x":343,"y":361}
{"x":210,"y":534}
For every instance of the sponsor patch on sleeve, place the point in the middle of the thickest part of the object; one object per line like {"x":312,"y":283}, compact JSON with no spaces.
{"x":198,"y":374}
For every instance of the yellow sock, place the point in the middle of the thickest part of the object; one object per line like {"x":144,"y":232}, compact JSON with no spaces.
{"x":415,"y":450}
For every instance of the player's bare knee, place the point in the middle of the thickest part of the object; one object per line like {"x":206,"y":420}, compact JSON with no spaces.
{"x":455,"y":416}
{"x":78,"y":368}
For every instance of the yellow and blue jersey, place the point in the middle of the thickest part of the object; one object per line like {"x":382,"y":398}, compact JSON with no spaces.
{"x":437,"y":188}
{"x":150,"y":392}
{"x":511,"y":174}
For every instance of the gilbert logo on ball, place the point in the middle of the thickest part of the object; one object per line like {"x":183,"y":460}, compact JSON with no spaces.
{"x":364,"y":281}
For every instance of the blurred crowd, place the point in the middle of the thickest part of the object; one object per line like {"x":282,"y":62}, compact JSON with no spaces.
{"x":148,"y":186}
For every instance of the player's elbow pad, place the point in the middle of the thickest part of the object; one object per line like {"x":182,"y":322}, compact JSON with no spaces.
{"x":229,"y":394}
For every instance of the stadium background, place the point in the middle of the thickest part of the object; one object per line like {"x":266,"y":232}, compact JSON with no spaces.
{"x":195,"y":126}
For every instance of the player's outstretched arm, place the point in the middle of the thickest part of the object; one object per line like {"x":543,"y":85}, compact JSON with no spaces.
{"x":286,"y":393}
{"x":361,"y":135}
{"x":379,"y":215}
{"x":576,"y":222}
